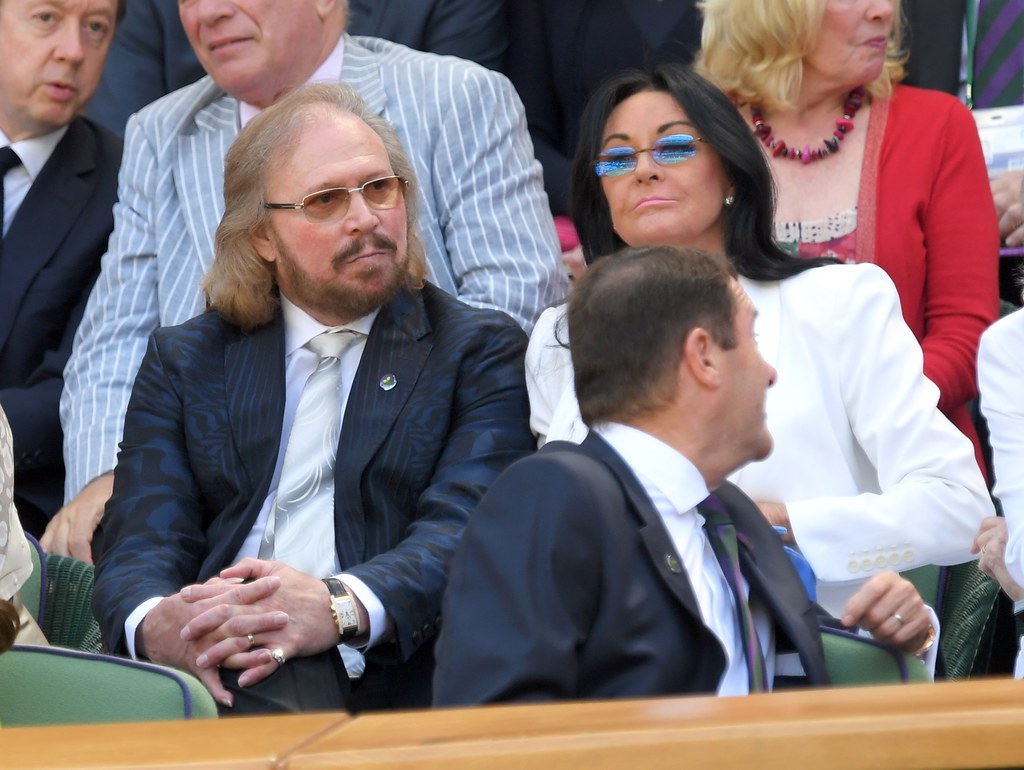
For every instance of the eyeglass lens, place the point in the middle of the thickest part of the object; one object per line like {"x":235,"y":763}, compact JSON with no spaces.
{"x":380,"y":193}
{"x":675,"y":148}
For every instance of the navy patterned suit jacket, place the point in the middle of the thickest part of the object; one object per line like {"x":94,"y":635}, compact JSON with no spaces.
{"x":567,"y":586}
{"x":201,"y":440}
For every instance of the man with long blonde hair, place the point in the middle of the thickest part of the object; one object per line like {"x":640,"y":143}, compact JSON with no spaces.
{"x":308,"y":450}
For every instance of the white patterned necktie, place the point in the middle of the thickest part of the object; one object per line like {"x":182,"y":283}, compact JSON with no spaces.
{"x":300,"y":529}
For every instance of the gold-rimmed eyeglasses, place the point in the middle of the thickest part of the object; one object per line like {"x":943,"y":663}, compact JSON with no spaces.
{"x":332,"y":204}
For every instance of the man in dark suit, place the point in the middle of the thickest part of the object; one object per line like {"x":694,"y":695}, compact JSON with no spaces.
{"x":586,"y":571}
{"x":319,"y":235}
{"x":59,"y":186}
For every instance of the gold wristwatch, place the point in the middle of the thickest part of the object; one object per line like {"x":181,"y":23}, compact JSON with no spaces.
{"x":343,"y":609}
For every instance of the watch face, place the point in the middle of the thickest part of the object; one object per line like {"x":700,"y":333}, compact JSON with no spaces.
{"x":347,"y":613}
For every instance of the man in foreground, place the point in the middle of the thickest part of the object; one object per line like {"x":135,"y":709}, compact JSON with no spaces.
{"x":626,"y":566}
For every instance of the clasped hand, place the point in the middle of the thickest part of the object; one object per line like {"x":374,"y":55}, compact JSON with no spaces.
{"x":235,"y":619}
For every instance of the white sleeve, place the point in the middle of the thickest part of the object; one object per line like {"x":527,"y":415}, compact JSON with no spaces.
{"x":1001,"y":384}
{"x":923,"y":495}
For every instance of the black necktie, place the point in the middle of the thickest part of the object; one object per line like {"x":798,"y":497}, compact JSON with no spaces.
{"x":8,"y":159}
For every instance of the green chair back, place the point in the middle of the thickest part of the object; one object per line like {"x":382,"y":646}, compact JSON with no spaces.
{"x":59,"y":596}
{"x":53,"y":686}
{"x":852,"y":659}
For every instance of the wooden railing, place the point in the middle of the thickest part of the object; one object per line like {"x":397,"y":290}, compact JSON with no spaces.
{"x":975,"y":724}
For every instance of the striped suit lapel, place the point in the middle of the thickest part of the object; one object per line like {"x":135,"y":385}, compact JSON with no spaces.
{"x":361,"y":70}
{"x":395,"y":354}
{"x":199,"y":171}
{"x":254,"y":391}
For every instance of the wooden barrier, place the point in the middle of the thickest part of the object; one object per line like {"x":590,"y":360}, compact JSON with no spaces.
{"x":953,"y":725}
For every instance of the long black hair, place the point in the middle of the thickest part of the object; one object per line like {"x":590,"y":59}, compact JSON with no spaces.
{"x":749,"y":221}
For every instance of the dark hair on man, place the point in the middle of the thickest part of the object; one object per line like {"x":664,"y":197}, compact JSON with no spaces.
{"x":629,"y":316}
{"x":749,"y":221}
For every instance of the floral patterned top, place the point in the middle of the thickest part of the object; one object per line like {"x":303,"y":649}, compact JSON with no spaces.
{"x":835,"y":236}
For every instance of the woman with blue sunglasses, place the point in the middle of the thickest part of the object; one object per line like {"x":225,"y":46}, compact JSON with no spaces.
{"x":867,"y":475}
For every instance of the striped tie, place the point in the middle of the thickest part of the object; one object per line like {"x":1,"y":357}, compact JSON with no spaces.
{"x":722,"y":536}
{"x":999,"y":53}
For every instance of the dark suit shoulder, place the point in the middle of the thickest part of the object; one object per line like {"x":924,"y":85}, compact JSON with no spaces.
{"x":450,"y":321}
{"x":205,"y":335}
{"x":109,"y":145}
{"x":210,"y":323}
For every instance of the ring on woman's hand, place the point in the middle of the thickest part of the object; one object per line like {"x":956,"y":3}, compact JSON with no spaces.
{"x":983,"y":548}
{"x":278,"y":655}
{"x":899,"y":618}
{"x":252,"y":641}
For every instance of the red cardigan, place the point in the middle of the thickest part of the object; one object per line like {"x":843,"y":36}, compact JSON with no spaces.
{"x":925,"y":215}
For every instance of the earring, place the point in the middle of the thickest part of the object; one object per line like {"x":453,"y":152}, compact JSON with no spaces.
{"x":729,"y":200}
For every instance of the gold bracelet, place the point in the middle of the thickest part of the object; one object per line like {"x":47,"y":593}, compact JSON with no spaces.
{"x":928,"y":642}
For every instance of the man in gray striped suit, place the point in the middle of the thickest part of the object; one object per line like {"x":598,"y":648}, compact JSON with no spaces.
{"x":484,"y":216}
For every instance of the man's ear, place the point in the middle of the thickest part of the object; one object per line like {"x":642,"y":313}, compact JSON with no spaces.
{"x":701,"y":358}
{"x":259,"y":236}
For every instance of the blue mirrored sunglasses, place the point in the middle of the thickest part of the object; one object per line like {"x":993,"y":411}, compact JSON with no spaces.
{"x":671,"y":149}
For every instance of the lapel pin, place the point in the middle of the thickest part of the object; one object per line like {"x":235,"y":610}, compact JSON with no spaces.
{"x":673,"y":563}
{"x":388,"y":382}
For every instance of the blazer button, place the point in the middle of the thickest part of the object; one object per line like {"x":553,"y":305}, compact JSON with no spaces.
{"x":426,"y":629}
{"x":416,"y":636}
{"x":673,"y":563}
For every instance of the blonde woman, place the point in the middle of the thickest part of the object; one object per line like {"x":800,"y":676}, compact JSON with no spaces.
{"x":868,"y":170}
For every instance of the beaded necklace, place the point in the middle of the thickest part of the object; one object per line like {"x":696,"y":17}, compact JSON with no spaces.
{"x":844,"y":125}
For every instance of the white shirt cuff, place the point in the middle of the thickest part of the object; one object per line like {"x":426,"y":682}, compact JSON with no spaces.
{"x":134,"y":620}
{"x":380,"y":623}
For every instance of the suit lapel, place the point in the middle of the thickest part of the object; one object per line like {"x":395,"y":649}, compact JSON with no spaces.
{"x":657,"y":541}
{"x":199,"y":169}
{"x":395,"y":354}
{"x":49,"y":211}
{"x":361,"y":70}
{"x":254,"y":393}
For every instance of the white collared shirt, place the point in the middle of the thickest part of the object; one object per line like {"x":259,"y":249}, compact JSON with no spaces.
{"x":675,"y":487}
{"x":34,"y":153}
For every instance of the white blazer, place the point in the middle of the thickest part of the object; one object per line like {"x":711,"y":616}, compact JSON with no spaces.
{"x":1001,"y":384}
{"x":874,"y":477}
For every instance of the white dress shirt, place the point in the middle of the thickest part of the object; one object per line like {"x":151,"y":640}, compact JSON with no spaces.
{"x":675,"y":487}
